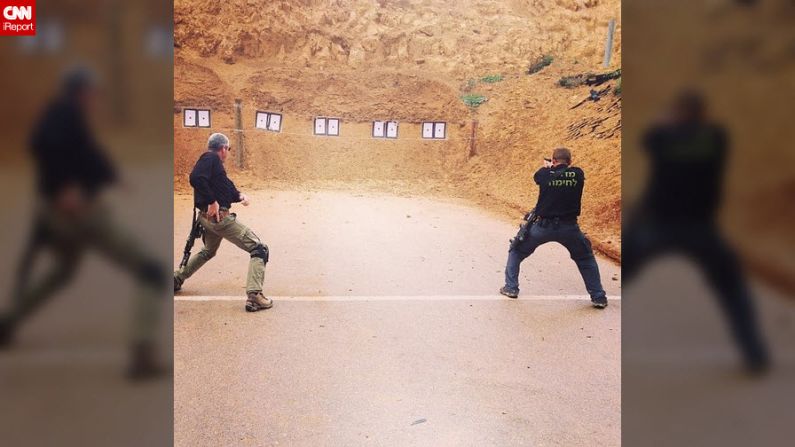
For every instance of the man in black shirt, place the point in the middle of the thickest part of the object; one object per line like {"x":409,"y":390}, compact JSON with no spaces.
{"x":678,"y":214}
{"x":555,"y":220}
{"x":213,"y":194}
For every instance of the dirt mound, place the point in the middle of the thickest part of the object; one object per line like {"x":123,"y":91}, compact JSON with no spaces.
{"x":357,"y":33}
{"x":200,"y":86}
{"x":528,"y":116}
{"x":405,"y":97}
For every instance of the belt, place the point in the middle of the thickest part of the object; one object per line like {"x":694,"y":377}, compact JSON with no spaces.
{"x":222,"y":213}
{"x":557,"y":219}
{"x":560,"y":218}
{"x":203,"y":209}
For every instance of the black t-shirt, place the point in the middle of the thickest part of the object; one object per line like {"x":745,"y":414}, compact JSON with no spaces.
{"x":687,"y":163}
{"x":66,"y":152}
{"x":211,"y":184}
{"x":560,"y":191}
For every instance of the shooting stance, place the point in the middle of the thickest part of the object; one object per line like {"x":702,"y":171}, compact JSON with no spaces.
{"x":214,"y":193}
{"x":681,"y":217}
{"x":73,"y":218}
{"x":554,"y":219}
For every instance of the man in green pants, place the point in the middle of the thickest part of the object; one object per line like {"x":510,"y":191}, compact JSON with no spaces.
{"x":73,"y":172}
{"x":213,"y":194}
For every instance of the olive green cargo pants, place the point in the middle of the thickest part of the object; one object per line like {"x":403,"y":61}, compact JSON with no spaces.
{"x":68,"y":238}
{"x":235,"y":232}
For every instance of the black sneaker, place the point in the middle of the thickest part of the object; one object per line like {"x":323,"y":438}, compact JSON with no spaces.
{"x":600,"y":302}
{"x":509,"y":293}
{"x":144,"y":364}
{"x":177,"y":284}
{"x":6,"y":332}
{"x":759,"y":366}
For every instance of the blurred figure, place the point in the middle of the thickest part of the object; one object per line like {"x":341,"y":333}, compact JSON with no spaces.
{"x":72,"y":171}
{"x":678,"y":214}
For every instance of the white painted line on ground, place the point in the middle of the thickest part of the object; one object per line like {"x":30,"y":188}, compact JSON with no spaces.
{"x":401,"y":298}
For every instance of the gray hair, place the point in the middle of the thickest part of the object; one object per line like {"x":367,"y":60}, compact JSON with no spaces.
{"x":77,"y":79}
{"x":217,"y":141}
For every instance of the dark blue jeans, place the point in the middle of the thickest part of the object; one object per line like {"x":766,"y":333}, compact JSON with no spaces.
{"x":699,"y":240}
{"x":566,"y":234}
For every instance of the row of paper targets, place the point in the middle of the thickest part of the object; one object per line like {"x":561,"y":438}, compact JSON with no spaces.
{"x":323,"y":126}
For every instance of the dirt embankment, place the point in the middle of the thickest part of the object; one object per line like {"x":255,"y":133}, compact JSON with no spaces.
{"x":435,"y":34}
{"x":409,"y":61}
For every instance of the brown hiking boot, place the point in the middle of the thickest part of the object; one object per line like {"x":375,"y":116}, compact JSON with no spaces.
{"x":257,"y":301}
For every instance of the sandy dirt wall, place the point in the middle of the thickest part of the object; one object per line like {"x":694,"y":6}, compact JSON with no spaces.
{"x":297,"y":155}
{"x":521,"y":126}
{"x":410,"y":61}
{"x":439,"y":34}
{"x":523,"y":121}
{"x":190,"y":142}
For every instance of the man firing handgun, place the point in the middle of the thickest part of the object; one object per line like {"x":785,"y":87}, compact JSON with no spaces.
{"x":555,"y":220}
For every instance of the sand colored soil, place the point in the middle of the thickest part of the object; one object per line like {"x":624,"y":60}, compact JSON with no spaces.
{"x":740,"y":51}
{"x":410,"y":61}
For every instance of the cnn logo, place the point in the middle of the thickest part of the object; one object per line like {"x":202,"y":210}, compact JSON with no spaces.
{"x":19,"y":18}
{"x":18,"y":12}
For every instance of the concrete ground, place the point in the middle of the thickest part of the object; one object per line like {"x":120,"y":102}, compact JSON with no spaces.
{"x":681,"y":378}
{"x":387,"y":330}
{"x":326,"y":243}
{"x":62,"y":381}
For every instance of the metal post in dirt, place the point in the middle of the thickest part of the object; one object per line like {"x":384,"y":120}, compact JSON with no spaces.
{"x":472,"y":151}
{"x":239,"y":134}
{"x":611,"y":29}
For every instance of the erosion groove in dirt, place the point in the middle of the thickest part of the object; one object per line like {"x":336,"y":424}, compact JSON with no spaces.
{"x":359,"y":33}
{"x":409,"y":61}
